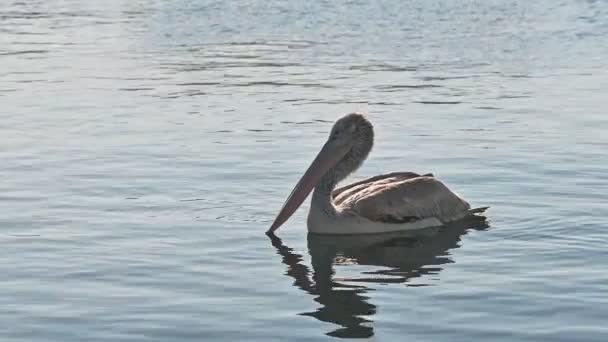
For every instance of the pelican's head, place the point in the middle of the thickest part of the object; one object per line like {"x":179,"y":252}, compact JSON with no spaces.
{"x":349,"y":128}
{"x":350,"y":141}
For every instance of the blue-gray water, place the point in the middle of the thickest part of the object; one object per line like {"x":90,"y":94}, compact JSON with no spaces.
{"x":145,"y":146}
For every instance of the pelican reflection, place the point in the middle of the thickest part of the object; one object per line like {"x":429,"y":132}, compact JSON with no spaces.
{"x":397,"y":257}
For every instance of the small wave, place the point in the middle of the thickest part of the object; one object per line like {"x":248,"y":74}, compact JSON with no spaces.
{"x":23,"y":52}
{"x":198,"y":83}
{"x":135,"y":89}
{"x":189,"y":67}
{"x":488,"y":108}
{"x":278,"y":84}
{"x":444,"y":78}
{"x":398,"y":87}
{"x":257,"y":130}
{"x":512,"y":96}
{"x":439,"y":102}
{"x":382,"y":67}
{"x":476,"y":130}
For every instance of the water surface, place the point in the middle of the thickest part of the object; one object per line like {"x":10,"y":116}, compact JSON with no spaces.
{"x":147,"y":145}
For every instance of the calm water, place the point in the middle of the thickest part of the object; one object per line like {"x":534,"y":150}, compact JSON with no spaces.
{"x":147,"y":145}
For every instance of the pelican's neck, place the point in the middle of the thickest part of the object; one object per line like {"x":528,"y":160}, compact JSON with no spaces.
{"x":321,"y":197}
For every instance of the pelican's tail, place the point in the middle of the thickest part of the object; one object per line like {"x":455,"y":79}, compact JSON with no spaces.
{"x":476,"y":219}
{"x":478,"y":210}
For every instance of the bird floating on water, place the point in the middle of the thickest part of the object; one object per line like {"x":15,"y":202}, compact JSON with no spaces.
{"x":390,"y":202}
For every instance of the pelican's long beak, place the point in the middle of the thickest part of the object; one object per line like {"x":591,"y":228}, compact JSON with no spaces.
{"x":329,"y":156}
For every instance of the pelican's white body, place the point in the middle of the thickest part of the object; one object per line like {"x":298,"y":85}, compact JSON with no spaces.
{"x":344,"y":223}
{"x":320,"y":223}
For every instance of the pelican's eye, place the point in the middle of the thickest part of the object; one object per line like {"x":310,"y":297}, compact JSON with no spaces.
{"x":335,"y":134}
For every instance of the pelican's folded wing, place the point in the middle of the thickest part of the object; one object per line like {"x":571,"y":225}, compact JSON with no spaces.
{"x":340,"y":194}
{"x":408,"y":200}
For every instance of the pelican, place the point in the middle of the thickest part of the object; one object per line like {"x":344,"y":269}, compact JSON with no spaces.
{"x":391,"y":202}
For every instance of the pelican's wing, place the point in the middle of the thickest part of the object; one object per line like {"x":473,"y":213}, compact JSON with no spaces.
{"x":340,"y":194}
{"x":408,"y":200}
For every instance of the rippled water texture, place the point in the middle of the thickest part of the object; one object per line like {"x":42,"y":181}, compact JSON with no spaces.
{"x":146,"y":146}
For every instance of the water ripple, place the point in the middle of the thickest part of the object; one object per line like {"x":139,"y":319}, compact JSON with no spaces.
{"x":147,"y":145}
